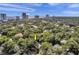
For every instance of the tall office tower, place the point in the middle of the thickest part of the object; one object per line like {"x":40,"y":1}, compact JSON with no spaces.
{"x":47,"y":16}
{"x":36,"y":16}
{"x":23,"y":15}
{"x":17,"y":18}
{"x":3,"y":17}
{"x":27,"y":16}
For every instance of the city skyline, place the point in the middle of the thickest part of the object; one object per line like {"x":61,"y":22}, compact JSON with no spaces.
{"x":41,"y":9}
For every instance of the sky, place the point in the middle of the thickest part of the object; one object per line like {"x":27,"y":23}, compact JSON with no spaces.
{"x":41,"y":9}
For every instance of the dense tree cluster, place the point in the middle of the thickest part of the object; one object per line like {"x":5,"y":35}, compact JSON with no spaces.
{"x":52,"y":38}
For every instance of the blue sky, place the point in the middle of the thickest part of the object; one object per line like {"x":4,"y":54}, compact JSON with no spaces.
{"x":41,"y":9}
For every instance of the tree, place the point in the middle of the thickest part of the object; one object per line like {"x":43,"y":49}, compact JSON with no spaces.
{"x":46,"y":49}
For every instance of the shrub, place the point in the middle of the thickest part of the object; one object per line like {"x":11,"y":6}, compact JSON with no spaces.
{"x":3,"y":39}
{"x":45,"y":49}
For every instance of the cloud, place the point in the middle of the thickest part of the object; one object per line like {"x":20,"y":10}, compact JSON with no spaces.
{"x":36,"y":4}
{"x":73,"y":5}
{"x":13,"y":7}
{"x":54,"y":4}
{"x":69,"y":12}
{"x":73,"y":11}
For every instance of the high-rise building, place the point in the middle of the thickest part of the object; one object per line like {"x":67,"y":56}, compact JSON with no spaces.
{"x":36,"y":16}
{"x":17,"y":18}
{"x":2,"y":16}
{"x":23,"y":15}
{"x":47,"y":16}
{"x":27,"y":16}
